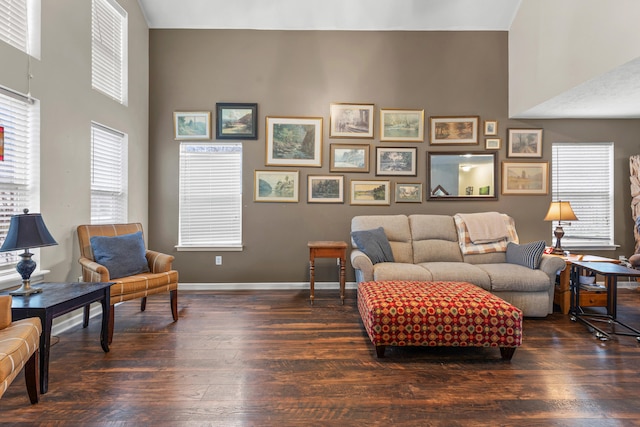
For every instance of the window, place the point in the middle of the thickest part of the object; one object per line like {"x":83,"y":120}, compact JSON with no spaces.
{"x":583,"y":175}
{"x":109,"y":49}
{"x":210,"y":196}
{"x":19,"y":172}
{"x":20,"y":25}
{"x":108,"y":175}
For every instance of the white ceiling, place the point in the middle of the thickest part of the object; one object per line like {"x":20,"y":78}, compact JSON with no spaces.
{"x":613,"y":95}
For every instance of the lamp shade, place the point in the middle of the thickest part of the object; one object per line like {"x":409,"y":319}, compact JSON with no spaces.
{"x":27,"y":231}
{"x":560,"y":211}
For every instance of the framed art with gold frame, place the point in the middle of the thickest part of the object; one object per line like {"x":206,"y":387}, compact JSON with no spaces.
{"x":525,"y":178}
{"x":351,"y":120}
{"x":294,"y":141}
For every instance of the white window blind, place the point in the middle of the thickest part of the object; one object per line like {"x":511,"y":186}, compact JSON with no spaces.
{"x":210,"y":196}
{"x":20,"y":25}
{"x":582,"y":174}
{"x":109,"y":49}
{"x":108,"y":175}
{"x":19,"y":171}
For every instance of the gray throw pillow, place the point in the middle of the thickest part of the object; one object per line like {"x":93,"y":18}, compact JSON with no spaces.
{"x":374,"y":244}
{"x":122,"y":255}
{"x":528,"y":255}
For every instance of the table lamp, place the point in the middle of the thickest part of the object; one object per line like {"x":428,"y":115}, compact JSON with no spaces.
{"x":560,"y":211}
{"x":26,"y":231}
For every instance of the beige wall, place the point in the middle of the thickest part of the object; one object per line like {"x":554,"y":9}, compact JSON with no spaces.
{"x":68,"y":104}
{"x":300,"y":74}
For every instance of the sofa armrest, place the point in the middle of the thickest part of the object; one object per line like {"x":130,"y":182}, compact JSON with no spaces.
{"x":552,"y":265}
{"x":360,"y":261}
{"x":5,"y":311}
{"x":92,"y":271}
{"x":159,"y":262}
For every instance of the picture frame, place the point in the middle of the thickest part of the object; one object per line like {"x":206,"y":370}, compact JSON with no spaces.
{"x":351,"y":120}
{"x":492,"y":143}
{"x":454,"y":130}
{"x":349,"y":157}
{"x":294,"y":141}
{"x":191,"y":125}
{"x":325,"y":189}
{"x":236,"y":120}
{"x":402,"y":125}
{"x":525,"y":178}
{"x":1,"y":143}
{"x":408,"y":192}
{"x":276,"y":186}
{"x":396,"y":161}
{"x":490,"y":127}
{"x":524,"y":143}
{"x":369,"y":192}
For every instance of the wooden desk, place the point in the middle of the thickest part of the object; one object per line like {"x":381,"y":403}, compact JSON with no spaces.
{"x":57,"y":299}
{"x":562,"y":291}
{"x":327,"y":249}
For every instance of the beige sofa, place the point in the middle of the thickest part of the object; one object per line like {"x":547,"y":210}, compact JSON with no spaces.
{"x":427,"y":248}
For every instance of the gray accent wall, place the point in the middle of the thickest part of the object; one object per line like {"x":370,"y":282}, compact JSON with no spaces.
{"x":300,"y":73}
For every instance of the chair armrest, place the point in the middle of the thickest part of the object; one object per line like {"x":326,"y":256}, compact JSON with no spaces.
{"x":634,"y":260}
{"x":92,"y":271}
{"x":159,"y":262}
{"x":5,"y":311}
{"x":552,"y":265}
{"x":362,"y":262}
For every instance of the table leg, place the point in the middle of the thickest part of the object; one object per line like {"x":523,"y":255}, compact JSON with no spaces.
{"x":611,"y":283}
{"x":343,"y":261}
{"x":312,"y":276}
{"x":45,"y":347}
{"x":106,"y":307}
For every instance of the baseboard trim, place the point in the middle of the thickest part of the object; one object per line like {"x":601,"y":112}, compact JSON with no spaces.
{"x":261,"y":286}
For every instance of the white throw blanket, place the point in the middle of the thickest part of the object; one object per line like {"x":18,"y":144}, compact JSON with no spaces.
{"x":485,"y":227}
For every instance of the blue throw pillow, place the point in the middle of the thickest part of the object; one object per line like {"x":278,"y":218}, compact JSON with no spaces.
{"x":528,"y":255}
{"x":122,"y":255}
{"x":374,"y":244}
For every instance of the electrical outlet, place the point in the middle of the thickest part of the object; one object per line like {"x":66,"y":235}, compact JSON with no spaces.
{"x":218,"y":260}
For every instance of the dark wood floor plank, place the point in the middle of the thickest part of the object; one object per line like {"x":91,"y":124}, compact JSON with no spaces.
{"x":268,"y":358}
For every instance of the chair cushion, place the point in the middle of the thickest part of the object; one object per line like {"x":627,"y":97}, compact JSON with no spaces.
{"x":528,"y":255}
{"x":374,"y":244}
{"x":18,"y":341}
{"x":122,"y":255}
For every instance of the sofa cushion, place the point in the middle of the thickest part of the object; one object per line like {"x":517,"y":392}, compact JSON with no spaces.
{"x":374,"y":244}
{"x":434,"y":238}
{"x":458,"y":272}
{"x":123,"y":255}
{"x":528,"y":255}
{"x":400,"y":271}
{"x":396,"y":228}
{"x":514,"y":277}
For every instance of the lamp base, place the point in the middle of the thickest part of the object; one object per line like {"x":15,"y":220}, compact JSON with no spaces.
{"x":25,"y":289}
{"x":557,"y":251}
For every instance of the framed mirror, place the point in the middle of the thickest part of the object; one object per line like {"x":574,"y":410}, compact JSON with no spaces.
{"x":462,"y":176}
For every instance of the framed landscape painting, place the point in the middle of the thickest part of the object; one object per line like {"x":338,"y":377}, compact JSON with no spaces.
{"x":192,"y":125}
{"x":351,"y":121}
{"x":454,"y":130}
{"x":525,"y":178}
{"x":396,"y":161}
{"x":236,"y":121}
{"x":294,"y":141}
{"x":408,"y":192}
{"x":276,"y":186}
{"x":349,"y":158}
{"x":525,"y":143}
{"x":325,"y":189}
{"x":402,"y":125}
{"x":371,"y":192}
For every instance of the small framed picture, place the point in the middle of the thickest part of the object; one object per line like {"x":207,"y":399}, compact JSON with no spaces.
{"x":192,"y":125}
{"x":408,"y":192}
{"x":402,"y":125}
{"x":524,"y":143}
{"x":349,"y":158}
{"x":454,"y":130}
{"x":492,"y":143}
{"x":236,"y":121}
{"x":525,"y":178}
{"x":396,"y":161}
{"x":276,"y":186}
{"x":351,"y":121}
{"x":370,"y":192}
{"x":490,"y":127}
{"x":294,"y":141}
{"x":325,"y":189}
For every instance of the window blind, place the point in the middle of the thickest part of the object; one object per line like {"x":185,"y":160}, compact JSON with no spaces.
{"x":582,"y":174}
{"x":108,"y":175}
{"x":20,"y":25}
{"x":19,"y":171}
{"x":210,"y":196}
{"x":109,"y":49}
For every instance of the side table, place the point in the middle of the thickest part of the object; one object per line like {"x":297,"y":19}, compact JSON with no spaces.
{"x":327,"y":249}
{"x":562,"y":291}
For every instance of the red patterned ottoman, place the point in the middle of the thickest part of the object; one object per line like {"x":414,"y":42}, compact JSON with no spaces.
{"x":405,"y":313}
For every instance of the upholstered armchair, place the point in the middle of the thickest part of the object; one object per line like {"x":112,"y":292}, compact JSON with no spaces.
{"x":19,"y":347}
{"x":117,"y":253}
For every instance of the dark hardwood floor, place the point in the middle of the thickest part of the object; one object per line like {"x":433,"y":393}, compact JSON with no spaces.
{"x":253,"y":358}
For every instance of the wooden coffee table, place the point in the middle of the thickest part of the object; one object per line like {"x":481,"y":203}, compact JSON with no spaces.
{"x":55,"y":300}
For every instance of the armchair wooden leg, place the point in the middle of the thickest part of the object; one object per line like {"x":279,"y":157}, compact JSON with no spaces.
{"x":111,"y":321}
{"x":174,"y":304}
{"x":85,"y":320}
{"x":143,"y":304}
{"x":31,"y":377}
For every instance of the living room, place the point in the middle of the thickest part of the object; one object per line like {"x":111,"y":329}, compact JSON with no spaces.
{"x":497,"y":75}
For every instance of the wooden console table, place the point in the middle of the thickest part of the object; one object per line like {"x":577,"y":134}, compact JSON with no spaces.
{"x":327,"y":249}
